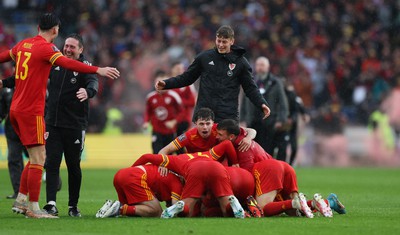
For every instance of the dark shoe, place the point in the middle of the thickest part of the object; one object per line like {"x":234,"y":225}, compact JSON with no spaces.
{"x":51,"y":209}
{"x":12,"y":196}
{"x":74,"y":212}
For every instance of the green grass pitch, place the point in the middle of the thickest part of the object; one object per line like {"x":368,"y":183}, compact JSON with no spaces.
{"x":371,"y":197}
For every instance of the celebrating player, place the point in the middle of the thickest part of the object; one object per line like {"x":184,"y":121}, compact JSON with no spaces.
{"x":34,"y":58}
{"x":276,"y":182}
{"x":200,"y":172}
{"x":140,"y":190}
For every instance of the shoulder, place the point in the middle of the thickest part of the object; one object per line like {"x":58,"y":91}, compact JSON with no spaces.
{"x":174,"y":95}
{"x":84,"y":60}
{"x":151,"y":94}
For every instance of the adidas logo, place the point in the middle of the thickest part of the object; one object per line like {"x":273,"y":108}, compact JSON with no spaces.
{"x":77,"y":141}
{"x":211,"y":63}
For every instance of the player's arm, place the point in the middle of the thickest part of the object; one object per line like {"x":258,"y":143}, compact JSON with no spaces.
{"x":155,"y":159}
{"x":8,"y":82}
{"x":80,"y":67}
{"x":169,"y":148}
{"x":224,"y":148}
{"x":5,"y":56}
{"x":245,"y":143}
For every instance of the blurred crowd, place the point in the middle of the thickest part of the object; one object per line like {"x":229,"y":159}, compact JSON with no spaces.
{"x":342,"y":56}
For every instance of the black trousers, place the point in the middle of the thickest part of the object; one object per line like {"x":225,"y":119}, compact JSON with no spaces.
{"x":270,"y":140}
{"x":293,"y":142}
{"x":159,"y":141}
{"x":15,"y":161}
{"x":69,"y":142}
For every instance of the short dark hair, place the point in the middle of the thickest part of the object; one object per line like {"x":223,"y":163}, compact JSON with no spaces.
{"x":229,"y":125}
{"x":204,"y":114}
{"x":225,"y":31}
{"x":78,"y":37}
{"x":159,"y":73}
{"x":48,"y":21}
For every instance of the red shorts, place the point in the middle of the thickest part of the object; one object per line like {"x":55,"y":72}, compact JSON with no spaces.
{"x":30,"y":128}
{"x":242,"y":182}
{"x":277,"y":175}
{"x":203,"y":176}
{"x":131,"y":186}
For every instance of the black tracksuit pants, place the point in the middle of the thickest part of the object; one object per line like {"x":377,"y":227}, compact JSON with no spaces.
{"x":69,"y":142}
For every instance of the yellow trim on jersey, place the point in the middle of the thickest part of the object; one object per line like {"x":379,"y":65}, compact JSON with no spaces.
{"x":143,"y":183}
{"x":258,"y":183}
{"x":165,"y":161}
{"x":35,"y":166}
{"x":175,"y":196}
{"x":177,"y":145}
{"x":55,"y":57}
{"x":39,"y":129}
{"x":214,"y":155}
{"x":12,"y":55}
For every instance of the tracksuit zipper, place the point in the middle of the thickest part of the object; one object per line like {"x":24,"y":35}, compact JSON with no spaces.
{"x":58,"y":100}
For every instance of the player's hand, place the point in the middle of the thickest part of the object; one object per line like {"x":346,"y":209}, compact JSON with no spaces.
{"x":244,"y":144}
{"x":82,"y":95}
{"x":1,"y":83}
{"x":235,"y":165}
{"x":266,"y":111}
{"x":160,"y":85}
{"x":171,"y":123}
{"x":109,"y":72}
{"x":163,"y":171}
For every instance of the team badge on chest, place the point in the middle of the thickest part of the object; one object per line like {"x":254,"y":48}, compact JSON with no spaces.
{"x":231,"y":67}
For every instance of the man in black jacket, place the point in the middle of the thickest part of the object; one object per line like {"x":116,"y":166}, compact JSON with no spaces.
{"x":271,"y":133}
{"x":222,"y":71}
{"x":14,"y":146}
{"x":67,"y":111}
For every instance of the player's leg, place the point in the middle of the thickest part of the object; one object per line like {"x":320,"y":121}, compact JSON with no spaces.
{"x":269,"y":206}
{"x":186,"y":205}
{"x":144,"y":209}
{"x":74,"y":143}
{"x":54,"y":152}
{"x":15,"y":162}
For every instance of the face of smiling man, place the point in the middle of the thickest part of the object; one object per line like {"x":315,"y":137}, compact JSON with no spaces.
{"x":224,"y":44}
{"x":72,"y":49}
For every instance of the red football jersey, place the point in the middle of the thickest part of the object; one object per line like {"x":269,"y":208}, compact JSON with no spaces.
{"x":34,"y":58}
{"x":193,"y":142}
{"x":188,"y":96}
{"x":162,"y":107}
{"x":165,"y":188}
{"x":179,"y":163}
{"x":253,"y":155}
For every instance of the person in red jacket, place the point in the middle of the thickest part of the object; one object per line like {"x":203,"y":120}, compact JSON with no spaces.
{"x":188,"y":97}
{"x":163,"y":110}
{"x":33,"y":59}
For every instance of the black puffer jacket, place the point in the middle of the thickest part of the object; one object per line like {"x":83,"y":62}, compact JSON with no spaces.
{"x":221,"y":77}
{"x":63,"y":108}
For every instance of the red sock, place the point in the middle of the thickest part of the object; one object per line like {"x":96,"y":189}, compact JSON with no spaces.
{"x":310,"y":204}
{"x":185,"y":211}
{"x":229,"y":211}
{"x":34,"y":181}
{"x":128,"y":210}
{"x":23,"y":183}
{"x":276,"y":208}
